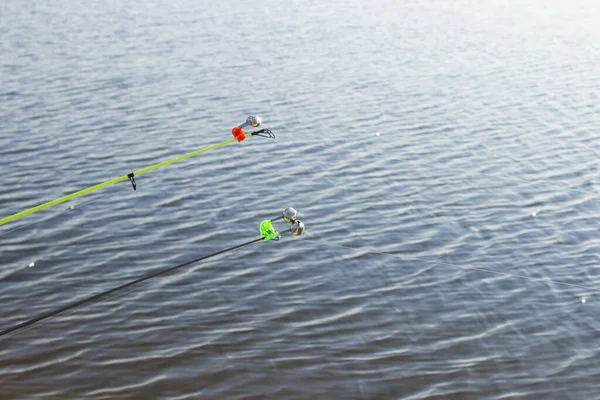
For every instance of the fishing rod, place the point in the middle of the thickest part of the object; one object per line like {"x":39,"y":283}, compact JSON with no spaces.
{"x":267,"y":233}
{"x":238,"y":136}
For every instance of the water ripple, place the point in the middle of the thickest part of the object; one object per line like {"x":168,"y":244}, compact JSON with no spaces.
{"x":445,"y":164}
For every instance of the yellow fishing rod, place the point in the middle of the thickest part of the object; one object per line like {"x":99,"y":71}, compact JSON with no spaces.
{"x":237,"y":132}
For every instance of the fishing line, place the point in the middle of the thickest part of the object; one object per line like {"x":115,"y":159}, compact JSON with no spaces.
{"x":368,"y":250}
{"x":268,"y":233}
{"x":512,"y":178}
{"x":38,"y":319}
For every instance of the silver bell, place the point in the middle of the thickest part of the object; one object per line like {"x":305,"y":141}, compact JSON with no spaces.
{"x":290,"y":215}
{"x":297,"y":228}
{"x":252,"y":120}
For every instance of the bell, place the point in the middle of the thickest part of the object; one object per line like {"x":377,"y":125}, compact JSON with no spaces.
{"x":297,"y":228}
{"x":290,"y":215}
{"x":252,"y":120}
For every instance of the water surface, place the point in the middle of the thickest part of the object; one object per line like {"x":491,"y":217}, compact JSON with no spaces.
{"x":426,"y":143}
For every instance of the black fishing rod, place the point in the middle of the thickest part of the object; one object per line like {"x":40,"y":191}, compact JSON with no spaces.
{"x":267,"y":232}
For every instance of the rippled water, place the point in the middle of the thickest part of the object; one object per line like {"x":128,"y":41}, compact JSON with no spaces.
{"x":433,"y":148}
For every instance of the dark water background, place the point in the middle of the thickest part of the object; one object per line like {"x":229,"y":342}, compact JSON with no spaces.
{"x":487,"y":157}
